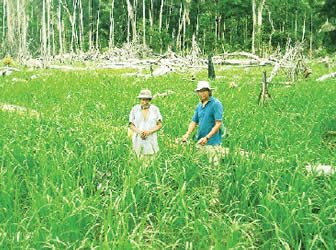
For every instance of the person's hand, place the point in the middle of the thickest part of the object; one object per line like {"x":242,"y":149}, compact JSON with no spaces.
{"x":145,"y":134}
{"x":203,"y":141}
{"x":185,"y":138}
{"x":141,"y":134}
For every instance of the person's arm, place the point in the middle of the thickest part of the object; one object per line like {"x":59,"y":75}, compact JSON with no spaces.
{"x":135,"y":129}
{"x":191,"y":128}
{"x":213,"y":131}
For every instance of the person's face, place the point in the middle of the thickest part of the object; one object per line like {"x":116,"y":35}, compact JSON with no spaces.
{"x":204,"y":94}
{"x":145,"y":103}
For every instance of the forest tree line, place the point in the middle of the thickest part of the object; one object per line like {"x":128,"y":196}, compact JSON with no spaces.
{"x":32,"y":28}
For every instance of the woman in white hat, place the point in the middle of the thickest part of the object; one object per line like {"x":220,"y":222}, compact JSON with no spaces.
{"x":145,"y":120}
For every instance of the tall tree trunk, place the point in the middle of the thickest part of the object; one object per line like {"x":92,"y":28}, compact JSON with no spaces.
{"x":216,"y":28}
{"x":81,"y":26}
{"x":151,"y":18}
{"x":53,"y":37}
{"x":60,"y":28}
{"x":178,"y":37}
{"x":111,"y":36}
{"x":90,"y":25}
{"x":311,"y":36}
{"x":97,"y":28}
{"x":184,"y":29}
{"x":246,"y":30}
{"x":18,"y":26}
{"x":224,"y":29}
{"x":197,"y":19}
{"x":160,"y":24}
{"x":168,"y":18}
{"x":296,"y":20}
{"x":144,"y":21}
{"x":260,"y":11}
{"x":259,"y":27}
{"x":135,"y":15}
{"x":63,"y":38}
{"x":218,"y":33}
{"x":72,"y":19}
{"x":128,"y":28}
{"x":132,"y":20}
{"x":48,"y":28}
{"x":10,"y":24}
{"x":24,"y":31}
{"x":304,"y":27}
{"x":273,"y":29}
{"x":254,"y":18}
{"x":73,"y":23}
{"x":3,"y":20}
{"x":44,"y":35}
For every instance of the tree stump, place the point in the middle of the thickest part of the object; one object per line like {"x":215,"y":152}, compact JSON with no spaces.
{"x":211,"y":68}
{"x":151,"y":69}
{"x":307,"y":71}
{"x":264,"y":94}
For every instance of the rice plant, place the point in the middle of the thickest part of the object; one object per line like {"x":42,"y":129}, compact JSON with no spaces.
{"x":69,"y":179}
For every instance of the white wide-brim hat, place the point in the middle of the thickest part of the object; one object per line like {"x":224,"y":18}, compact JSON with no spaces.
{"x":203,"y":85}
{"x":145,"y":94}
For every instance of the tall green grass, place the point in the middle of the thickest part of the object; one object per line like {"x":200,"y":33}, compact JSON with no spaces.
{"x":69,"y":179}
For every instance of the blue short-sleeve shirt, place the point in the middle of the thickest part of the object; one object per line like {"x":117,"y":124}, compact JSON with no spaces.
{"x":206,"y":117}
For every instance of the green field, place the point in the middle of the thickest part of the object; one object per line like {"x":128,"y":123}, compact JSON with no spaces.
{"x":68,"y":178}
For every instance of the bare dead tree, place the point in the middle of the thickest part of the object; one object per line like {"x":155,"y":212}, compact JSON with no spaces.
{"x":151,"y":13}
{"x":293,"y":63}
{"x":257,"y":22}
{"x":132,"y":19}
{"x":304,"y":28}
{"x":44,"y":34}
{"x":10,"y":22}
{"x":97,"y":28}
{"x":24,"y":31}
{"x":48,"y":29}
{"x":180,"y":22}
{"x":72,"y":19}
{"x":81,"y":26}
{"x":90,"y":26}
{"x":160,"y":24}
{"x":254,"y":17}
{"x":311,"y":36}
{"x":60,"y":28}
{"x":111,"y":36}
{"x":144,"y":21}
{"x":3,"y":20}
{"x":273,"y":29}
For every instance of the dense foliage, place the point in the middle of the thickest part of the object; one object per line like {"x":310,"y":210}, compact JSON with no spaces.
{"x":52,"y":27}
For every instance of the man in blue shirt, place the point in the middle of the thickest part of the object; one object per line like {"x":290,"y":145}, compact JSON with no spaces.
{"x":208,"y":115}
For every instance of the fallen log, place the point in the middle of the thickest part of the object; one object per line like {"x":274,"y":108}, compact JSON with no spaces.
{"x":162,"y":70}
{"x":64,"y":67}
{"x":6,"y":71}
{"x":324,"y":77}
{"x":254,"y":59}
{"x":9,"y":69}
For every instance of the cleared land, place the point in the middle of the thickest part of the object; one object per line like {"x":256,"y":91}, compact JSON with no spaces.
{"x":68,"y":178}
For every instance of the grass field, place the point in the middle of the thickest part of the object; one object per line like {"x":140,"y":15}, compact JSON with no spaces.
{"x":68,"y":178}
